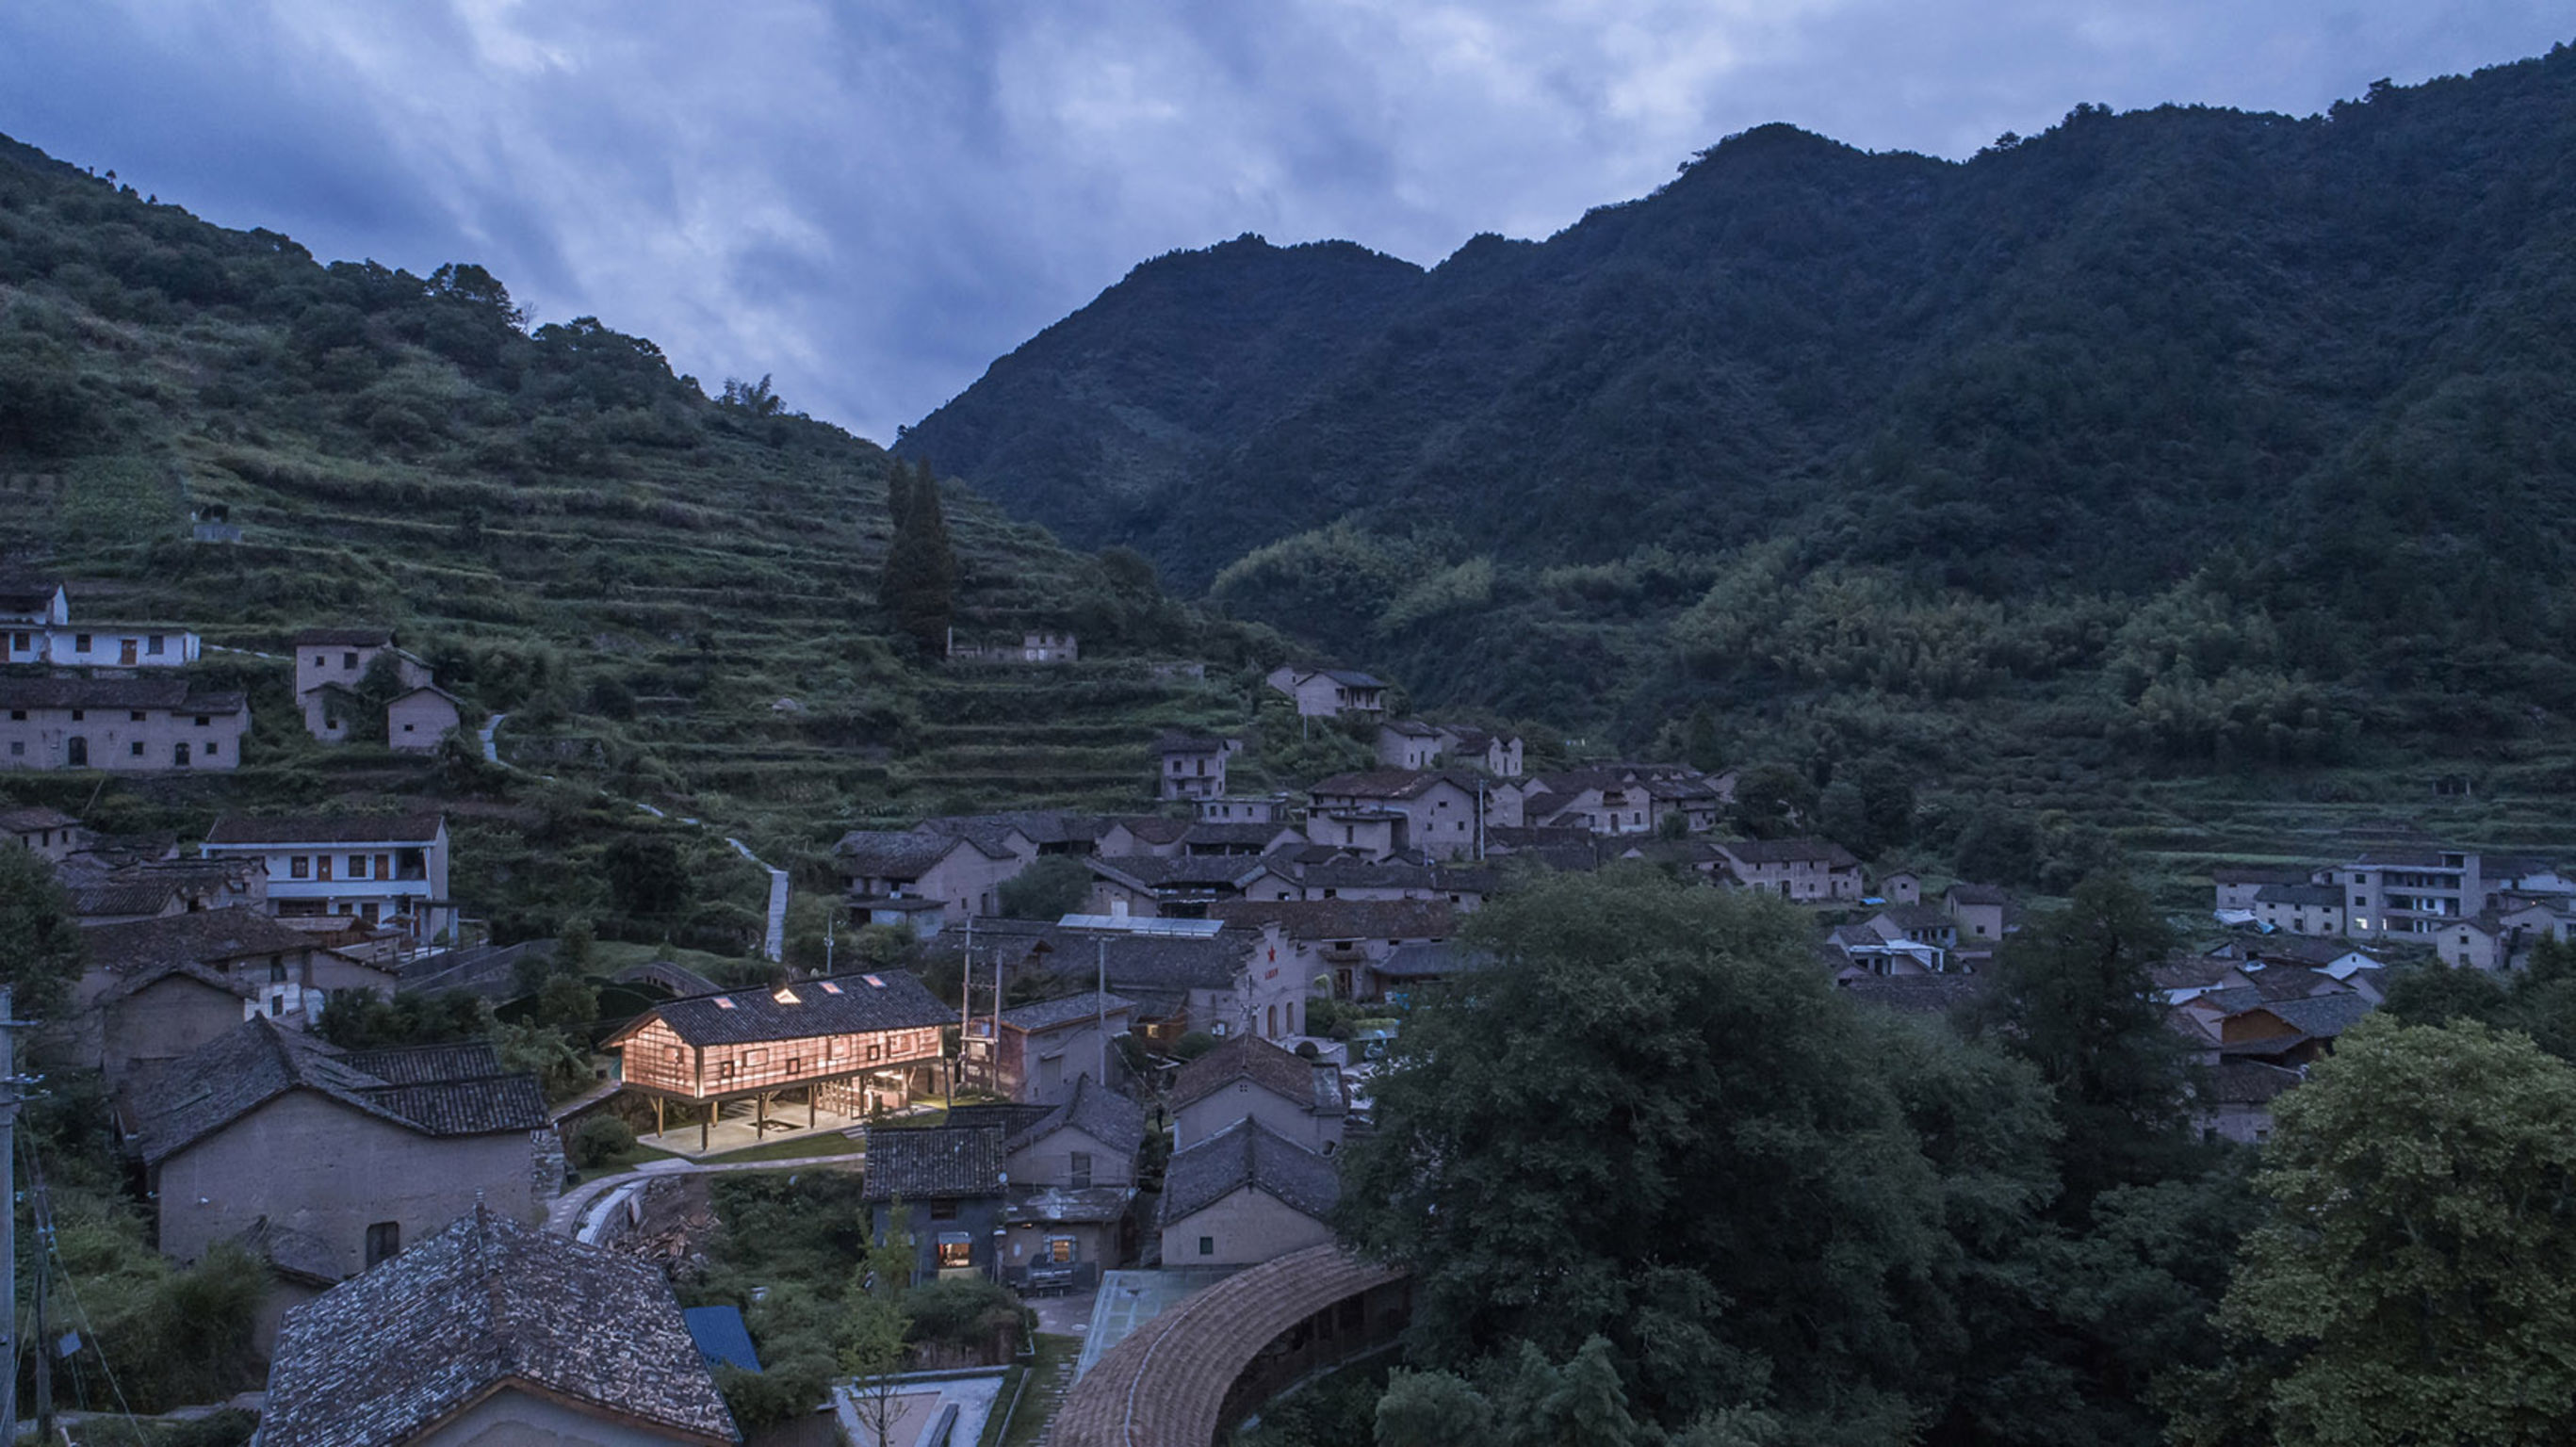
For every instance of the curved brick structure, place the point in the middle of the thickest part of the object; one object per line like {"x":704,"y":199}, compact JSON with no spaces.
{"x":1169,"y":1384}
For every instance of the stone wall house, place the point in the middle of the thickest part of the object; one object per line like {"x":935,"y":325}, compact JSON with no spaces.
{"x":1072,"y":1184}
{"x":2239,"y":1100}
{"x":1180,"y":975}
{"x":105,"y":893}
{"x":1190,"y":767}
{"x":948,"y":1182}
{"x":1244,"y":1195}
{"x":54,"y":835}
{"x":2500,"y":939}
{"x":123,"y":725}
{"x":1246,"y":1078}
{"x":417,"y":720}
{"x":2302,"y":909}
{"x":157,"y":989}
{"x":2236,"y":885}
{"x":1805,"y":870}
{"x":1336,"y":940}
{"x":964,"y":872}
{"x":1409,"y":745}
{"x":1330,"y":692}
{"x":339,"y":658}
{"x":1985,"y":914}
{"x":1048,"y":1049}
{"x":491,"y":1332}
{"x":1439,"y":814}
{"x":361,"y":1152}
{"x":388,"y":870}
{"x":1497,"y":754}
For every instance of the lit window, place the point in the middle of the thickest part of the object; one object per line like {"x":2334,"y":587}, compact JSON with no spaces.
{"x":956,"y":1248}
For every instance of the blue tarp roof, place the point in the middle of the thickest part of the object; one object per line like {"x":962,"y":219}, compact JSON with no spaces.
{"x":721,"y":1336}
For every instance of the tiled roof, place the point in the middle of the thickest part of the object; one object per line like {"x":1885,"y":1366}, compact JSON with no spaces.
{"x":1177,"y":871}
{"x":1247,"y":1153}
{"x":2322,"y":1015}
{"x":1385,"y":784}
{"x":1431,"y":961}
{"x":2293,"y":982}
{"x":2249,"y":1082}
{"x":2262,"y":874}
{"x":1974,"y":894}
{"x":1138,"y":964}
{"x":856,"y":1004}
{"x":34,"y":818}
{"x":326,"y":829}
{"x":1095,"y":1110}
{"x":1039,"y":826}
{"x":935,"y":1162}
{"x":1188,"y":744}
{"x":343,"y":638}
{"x":1931,"y":994}
{"x":299,"y":1254}
{"x":2191,"y":974}
{"x":1155,"y":828}
{"x":422,"y":1064}
{"x":174,"y":694}
{"x":1282,"y":1072}
{"x":1071,"y":1010}
{"x":1343,"y":919}
{"x":27,"y":595}
{"x":146,"y":945}
{"x":1206,"y":832}
{"x":1352,"y":678}
{"x":124,"y":897}
{"x":1785,"y":851}
{"x":2301,"y":895}
{"x":381,"y":1358}
{"x":898,"y":853}
{"x":234,"y":1074}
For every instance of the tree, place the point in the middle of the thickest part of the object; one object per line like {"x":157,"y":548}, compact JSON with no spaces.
{"x":756,"y":398}
{"x":1051,"y":888}
{"x":377,"y":688}
{"x":2072,"y":994}
{"x":1709,"y":1168}
{"x":646,"y":876}
{"x":2417,"y":1279}
{"x":1772,"y":800}
{"x":919,"y":584}
{"x":875,"y":1327}
{"x":41,"y":951}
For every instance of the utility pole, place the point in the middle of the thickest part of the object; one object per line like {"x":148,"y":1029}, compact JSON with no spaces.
{"x":1100,"y":1017}
{"x":41,"y":1219}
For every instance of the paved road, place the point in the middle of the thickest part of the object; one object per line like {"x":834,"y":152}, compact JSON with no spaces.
{"x":491,"y":747}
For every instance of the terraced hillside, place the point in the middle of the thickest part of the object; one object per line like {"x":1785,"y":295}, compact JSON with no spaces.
{"x":669,"y":597}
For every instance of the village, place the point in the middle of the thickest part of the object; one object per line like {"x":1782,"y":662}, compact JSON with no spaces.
{"x":1125,"y":1113}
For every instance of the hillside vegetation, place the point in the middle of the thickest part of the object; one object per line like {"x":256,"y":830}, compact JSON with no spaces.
{"x":2181,"y":443}
{"x":671,"y":597}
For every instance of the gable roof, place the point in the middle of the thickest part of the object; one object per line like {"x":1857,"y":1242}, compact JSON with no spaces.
{"x":1787,"y":851}
{"x":1248,"y":1153}
{"x":175,"y":694}
{"x":416,"y":828}
{"x":146,"y":946}
{"x":1178,"y":743}
{"x":1178,"y":871}
{"x":34,"y":817}
{"x":1350,"y":678}
{"x":1976,"y":894}
{"x":1386,"y":784}
{"x":933,"y":1162}
{"x":1343,"y":919}
{"x":382,"y":1357}
{"x":1070,"y":1010}
{"x":900,"y":853}
{"x":1282,"y":1072}
{"x":1095,"y":1110}
{"x":855,"y":1004}
{"x":235,"y":1073}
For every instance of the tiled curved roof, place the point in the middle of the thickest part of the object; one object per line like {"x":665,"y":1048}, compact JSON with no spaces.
{"x":1165,"y":1385}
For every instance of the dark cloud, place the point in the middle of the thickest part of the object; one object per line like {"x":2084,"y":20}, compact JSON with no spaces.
{"x":871,"y":201}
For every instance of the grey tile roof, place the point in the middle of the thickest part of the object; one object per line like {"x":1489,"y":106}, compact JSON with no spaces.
{"x":206,"y":936}
{"x":2322,"y":1015}
{"x":2249,"y":1082}
{"x":34,"y":817}
{"x":1387,"y":784}
{"x":2262,"y":874}
{"x":1343,"y":919}
{"x":343,"y":638}
{"x":1247,"y":1153}
{"x":1282,"y":1072}
{"x":1139,"y":965}
{"x":1095,"y":1110}
{"x":1976,"y":894}
{"x":326,"y":829}
{"x":1439,"y":960}
{"x":380,"y":1358}
{"x":897,"y":853}
{"x":228,"y":1077}
{"x":175,"y":694}
{"x":299,"y":1254}
{"x":424,"y":1064}
{"x":1787,"y":851}
{"x":856,"y":1004}
{"x":1929,"y":994}
{"x":934,"y":1163}
{"x":1178,"y":871}
{"x":1079,"y":1009}
{"x":1176,"y":743}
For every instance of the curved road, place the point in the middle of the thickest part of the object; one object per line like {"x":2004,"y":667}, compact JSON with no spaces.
{"x":773,"y":943}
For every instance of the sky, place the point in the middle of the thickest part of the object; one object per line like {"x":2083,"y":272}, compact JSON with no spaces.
{"x":873,"y":201}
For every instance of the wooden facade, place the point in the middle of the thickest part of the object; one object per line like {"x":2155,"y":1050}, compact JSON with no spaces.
{"x":656,"y":1059}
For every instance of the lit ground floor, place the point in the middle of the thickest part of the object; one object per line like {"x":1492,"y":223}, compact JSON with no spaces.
{"x":828,"y":1107}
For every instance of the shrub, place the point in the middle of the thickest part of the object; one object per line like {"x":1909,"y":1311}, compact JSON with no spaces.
{"x":599,"y":1139}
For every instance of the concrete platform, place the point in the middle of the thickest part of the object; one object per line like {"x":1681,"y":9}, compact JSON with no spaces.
{"x":1129,"y":1299}
{"x":736,"y":1127}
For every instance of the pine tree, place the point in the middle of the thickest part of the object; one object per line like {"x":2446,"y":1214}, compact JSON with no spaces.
{"x":920,"y":582}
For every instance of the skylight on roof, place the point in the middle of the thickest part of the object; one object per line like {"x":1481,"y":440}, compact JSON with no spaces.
{"x":786,"y":996}
{"x":830,"y":989}
{"x":723,"y":1004}
{"x":873,"y":980}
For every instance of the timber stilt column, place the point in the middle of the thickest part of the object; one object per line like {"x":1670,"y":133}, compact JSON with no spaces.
{"x":760,"y":1116}
{"x":811,"y":1091}
{"x":706,"y":1121}
{"x":659,"y":1124}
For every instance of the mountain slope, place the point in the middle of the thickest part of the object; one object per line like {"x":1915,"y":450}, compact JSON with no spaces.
{"x":2188,"y":434}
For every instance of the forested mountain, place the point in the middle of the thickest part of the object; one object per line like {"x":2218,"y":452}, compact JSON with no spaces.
{"x":2184,"y":435}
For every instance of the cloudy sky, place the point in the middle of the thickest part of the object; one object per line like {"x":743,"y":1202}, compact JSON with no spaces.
{"x":874,"y":200}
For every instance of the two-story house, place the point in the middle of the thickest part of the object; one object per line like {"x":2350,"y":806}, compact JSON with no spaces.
{"x":1190,"y":767}
{"x":1308,"y":944}
{"x":1330,"y":692}
{"x":1303,"y":1100}
{"x":1181,"y":975}
{"x":123,"y":725}
{"x":387,"y":871}
{"x":1071,"y":1186}
{"x":1244,"y":1195}
{"x":1049,"y":1048}
{"x":329,"y":665}
{"x":53,"y":835}
{"x":156,"y":989}
{"x":928,"y":879}
{"x":36,"y":627}
{"x":1386,"y":810}
{"x":1805,"y":870}
{"x":948,"y":1184}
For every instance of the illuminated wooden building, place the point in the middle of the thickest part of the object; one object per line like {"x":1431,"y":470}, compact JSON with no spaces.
{"x":849,"y":1045}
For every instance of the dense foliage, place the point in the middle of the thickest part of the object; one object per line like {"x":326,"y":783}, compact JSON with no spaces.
{"x":2187,"y":439}
{"x":1656,"y":1143}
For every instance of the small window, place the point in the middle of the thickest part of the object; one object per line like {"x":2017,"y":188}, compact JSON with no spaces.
{"x":357,"y":866}
{"x":134,"y":716}
{"x":1060,"y":1250}
{"x":299,"y":867}
{"x":956,"y":1248}
{"x":135,"y":748}
{"x":17,"y":715}
{"x":277,"y":969}
{"x":79,"y":714}
{"x":277,"y":1004}
{"x":943,"y":1210}
{"x":384,"y":1241}
{"x":1082,"y":1170}
{"x":80,"y":643}
{"x":213,"y":748}
{"x":17,"y":748}
{"x":1207,"y":1245}
{"x":152,"y":644}
{"x":349,"y":661}
{"x":204,"y":720}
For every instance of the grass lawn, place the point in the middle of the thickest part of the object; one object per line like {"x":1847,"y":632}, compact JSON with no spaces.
{"x":1037,"y":1407}
{"x":607,"y":957}
{"x":829,"y":1144}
